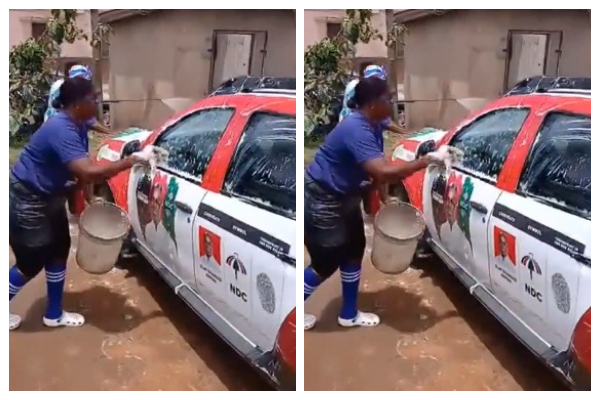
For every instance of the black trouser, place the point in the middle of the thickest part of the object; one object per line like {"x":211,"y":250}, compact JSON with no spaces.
{"x":334,"y":230}
{"x":38,"y":228}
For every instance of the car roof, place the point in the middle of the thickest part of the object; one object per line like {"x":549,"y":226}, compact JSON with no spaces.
{"x":269,"y":101}
{"x":568,"y":100}
{"x":278,"y":103}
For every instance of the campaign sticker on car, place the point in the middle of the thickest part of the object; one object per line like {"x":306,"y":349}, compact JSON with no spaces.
{"x":244,"y":231}
{"x":106,"y":153}
{"x":543,"y":233}
{"x":266,"y":293}
{"x":427,"y":134}
{"x":400,"y":153}
{"x":131,"y":134}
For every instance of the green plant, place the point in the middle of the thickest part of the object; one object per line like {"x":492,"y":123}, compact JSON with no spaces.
{"x":327,"y":68}
{"x":33,"y":67}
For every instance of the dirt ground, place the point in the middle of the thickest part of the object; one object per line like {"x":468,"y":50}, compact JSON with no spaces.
{"x":433,"y":336}
{"x":139,"y":336}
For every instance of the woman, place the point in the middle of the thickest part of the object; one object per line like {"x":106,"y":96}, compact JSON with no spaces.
{"x":39,"y":182}
{"x":367,"y":71}
{"x":334,"y":234}
{"x":76,"y":71}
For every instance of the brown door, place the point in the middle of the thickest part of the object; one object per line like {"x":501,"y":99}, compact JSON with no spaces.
{"x":237,"y":54}
{"x":532,"y":54}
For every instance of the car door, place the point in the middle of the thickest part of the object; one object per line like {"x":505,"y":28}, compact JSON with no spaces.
{"x":245,"y":235}
{"x":163,"y":201}
{"x":458,"y":203}
{"x":544,"y":232}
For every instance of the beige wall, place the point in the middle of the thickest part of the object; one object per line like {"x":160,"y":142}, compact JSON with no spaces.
{"x":167,"y":54}
{"x":20,"y":30}
{"x":315,"y":29}
{"x":462,"y":55}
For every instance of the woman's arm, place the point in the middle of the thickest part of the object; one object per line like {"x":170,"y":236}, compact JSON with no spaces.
{"x":86,"y":171}
{"x":395,"y":128}
{"x":98,"y":127}
{"x":383,"y":172}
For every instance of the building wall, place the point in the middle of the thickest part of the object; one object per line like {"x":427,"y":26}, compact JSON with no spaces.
{"x":167,"y":54}
{"x":20,"y":30}
{"x":462,"y":55}
{"x":315,"y":29}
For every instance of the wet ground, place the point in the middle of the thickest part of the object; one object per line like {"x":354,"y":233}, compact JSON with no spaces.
{"x":139,"y":336}
{"x":433,"y":336}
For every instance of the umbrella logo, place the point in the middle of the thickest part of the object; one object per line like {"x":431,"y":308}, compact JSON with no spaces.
{"x":531,"y":264}
{"x":236,"y":264}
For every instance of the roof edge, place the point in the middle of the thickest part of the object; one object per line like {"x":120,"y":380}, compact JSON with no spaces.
{"x":411,"y":15}
{"x":118,"y":14}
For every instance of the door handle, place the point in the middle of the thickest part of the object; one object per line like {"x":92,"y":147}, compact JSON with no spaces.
{"x":480,"y":208}
{"x":183,"y":207}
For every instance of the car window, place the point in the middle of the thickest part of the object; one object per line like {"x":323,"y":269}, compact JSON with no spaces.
{"x":487,"y":141}
{"x":559,"y":167}
{"x":192,"y":141}
{"x":263,"y":169}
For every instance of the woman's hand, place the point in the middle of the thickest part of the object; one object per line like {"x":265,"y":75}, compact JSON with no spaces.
{"x":146,"y":156}
{"x":441,"y":156}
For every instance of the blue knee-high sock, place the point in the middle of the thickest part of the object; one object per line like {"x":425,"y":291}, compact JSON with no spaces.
{"x":312,"y":280}
{"x":16,"y":281}
{"x":55,"y":282}
{"x":350,"y":283}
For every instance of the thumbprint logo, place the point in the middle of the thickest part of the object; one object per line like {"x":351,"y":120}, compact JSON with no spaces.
{"x":237,"y":265}
{"x":562,"y":293}
{"x":531,"y":264}
{"x":266,"y":292}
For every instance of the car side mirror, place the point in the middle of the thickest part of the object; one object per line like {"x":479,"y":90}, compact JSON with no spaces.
{"x":426,"y":147}
{"x":130,"y":148}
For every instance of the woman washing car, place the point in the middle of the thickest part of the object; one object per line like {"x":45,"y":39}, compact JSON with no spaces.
{"x":334,"y":234}
{"x":56,"y":156}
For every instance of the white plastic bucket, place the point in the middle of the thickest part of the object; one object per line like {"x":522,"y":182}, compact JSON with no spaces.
{"x":102,"y":228}
{"x":398,"y":228}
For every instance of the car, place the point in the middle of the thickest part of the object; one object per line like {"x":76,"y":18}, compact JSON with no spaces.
{"x":217,"y":218}
{"x":512,"y":220}
{"x":250,"y":83}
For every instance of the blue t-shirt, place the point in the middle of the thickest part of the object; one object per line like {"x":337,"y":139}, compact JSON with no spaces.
{"x":338,"y":161}
{"x":42,"y":165}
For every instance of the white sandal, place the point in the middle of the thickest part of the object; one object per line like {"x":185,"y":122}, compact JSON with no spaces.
{"x":14,"y":321}
{"x":71,"y":320}
{"x":362,"y":319}
{"x":309,"y":321}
